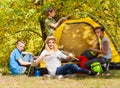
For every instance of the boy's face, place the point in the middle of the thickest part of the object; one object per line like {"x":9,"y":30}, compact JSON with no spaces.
{"x":52,"y":14}
{"x":98,"y":32}
{"x":20,"y":46}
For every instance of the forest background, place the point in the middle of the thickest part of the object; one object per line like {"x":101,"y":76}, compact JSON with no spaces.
{"x":23,"y":20}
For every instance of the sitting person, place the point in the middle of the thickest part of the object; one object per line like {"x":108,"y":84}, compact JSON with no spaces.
{"x":18,"y":63}
{"x":105,"y":50}
{"x":50,"y":22}
{"x":51,"y":55}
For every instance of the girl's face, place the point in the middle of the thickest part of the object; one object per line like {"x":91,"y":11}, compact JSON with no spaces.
{"x":98,"y":32}
{"x":52,"y":14}
{"x":51,"y":44}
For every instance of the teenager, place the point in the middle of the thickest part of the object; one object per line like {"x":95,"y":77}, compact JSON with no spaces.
{"x":105,"y":49}
{"x":50,"y":22}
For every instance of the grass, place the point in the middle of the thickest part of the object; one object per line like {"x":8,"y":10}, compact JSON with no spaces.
{"x":80,"y":81}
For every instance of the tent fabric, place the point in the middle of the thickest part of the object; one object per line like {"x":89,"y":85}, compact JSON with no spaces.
{"x":75,"y":36}
{"x":58,"y":31}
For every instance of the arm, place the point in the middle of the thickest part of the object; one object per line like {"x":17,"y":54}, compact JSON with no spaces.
{"x":104,"y":50}
{"x":57,"y":23}
{"x":39,"y":59}
{"x":42,"y":56}
{"x":27,"y":53}
{"x":23,"y":62}
{"x":65,"y":55}
{"x":69,"y":56}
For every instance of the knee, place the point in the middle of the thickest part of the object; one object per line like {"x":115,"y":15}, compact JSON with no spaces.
{"x":86,"y":65}
{"x":29,"y":55}
{"x":71,"y":65}
{"x":74,"y":66}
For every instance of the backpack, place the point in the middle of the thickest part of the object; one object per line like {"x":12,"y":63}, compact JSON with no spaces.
{"x":96,"y":67}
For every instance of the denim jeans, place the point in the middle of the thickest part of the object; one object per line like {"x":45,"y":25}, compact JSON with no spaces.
{"x":102,"y":60}
{"x":70,"y":69}
{"x":27,"y":58}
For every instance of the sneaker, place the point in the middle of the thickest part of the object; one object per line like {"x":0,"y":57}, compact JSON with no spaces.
{"x":59,"y":77}
{"x":93,"y":73}
{"x":47,"y":76}
{"x":70,"y":76}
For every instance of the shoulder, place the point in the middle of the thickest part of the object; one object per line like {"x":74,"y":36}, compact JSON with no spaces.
{"x":14,"y":51}
{"x":58,"y":51}
{"x":105,"y":39}
{"x":16,"y":54}
{"x":47,"y":19}
{"x":44,"y":52}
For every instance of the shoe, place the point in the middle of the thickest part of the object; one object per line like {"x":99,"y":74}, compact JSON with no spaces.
{"x":59,"y":77}
{"x":70,"y":76}
{"x":93,"y":73}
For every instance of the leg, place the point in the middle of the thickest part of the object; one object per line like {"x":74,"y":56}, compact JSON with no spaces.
{"x":22,"y":70}
{"x":62,"y":70}
{"x":106,"y":65}
{"x":77,"y":69}
{"x":98,"y":59}
{"x":28,"y":58}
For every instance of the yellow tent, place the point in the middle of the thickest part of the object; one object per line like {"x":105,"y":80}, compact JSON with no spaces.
{"x":75,"y":36}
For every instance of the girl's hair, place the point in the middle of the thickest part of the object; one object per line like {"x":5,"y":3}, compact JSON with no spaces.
{"x":46,"y":43}
{"x":101,"y":28}
{"x":49,"y":10}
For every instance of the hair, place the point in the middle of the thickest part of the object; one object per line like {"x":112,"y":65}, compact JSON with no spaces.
{"x":49,"y":10}
{"x":46,"y":43}
{"x":21,"y":41}
{"x":101,"y":28}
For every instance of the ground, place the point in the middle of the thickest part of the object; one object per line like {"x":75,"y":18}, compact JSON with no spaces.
{"x":79,"y":81}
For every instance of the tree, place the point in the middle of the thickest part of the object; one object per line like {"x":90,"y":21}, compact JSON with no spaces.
{"x":21,"y":19}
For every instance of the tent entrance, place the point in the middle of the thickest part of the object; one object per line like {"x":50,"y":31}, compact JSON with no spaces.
{"x":77,"y":37}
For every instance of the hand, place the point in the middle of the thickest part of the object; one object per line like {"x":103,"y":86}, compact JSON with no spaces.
{"x":30,"y":53}
{"x":63,"y":19}
{"x":70,"y":54}
{"x":91,"y":48}
{"x":34,"y":63}
{"x":27,"y":53}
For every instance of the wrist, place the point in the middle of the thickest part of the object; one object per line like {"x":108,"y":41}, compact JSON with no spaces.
{"x":29,"y":63}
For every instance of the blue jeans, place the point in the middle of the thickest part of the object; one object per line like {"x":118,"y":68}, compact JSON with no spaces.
{"x":27,"y":58}
{"x":70,"y":69}
{"x":102,"y":60}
